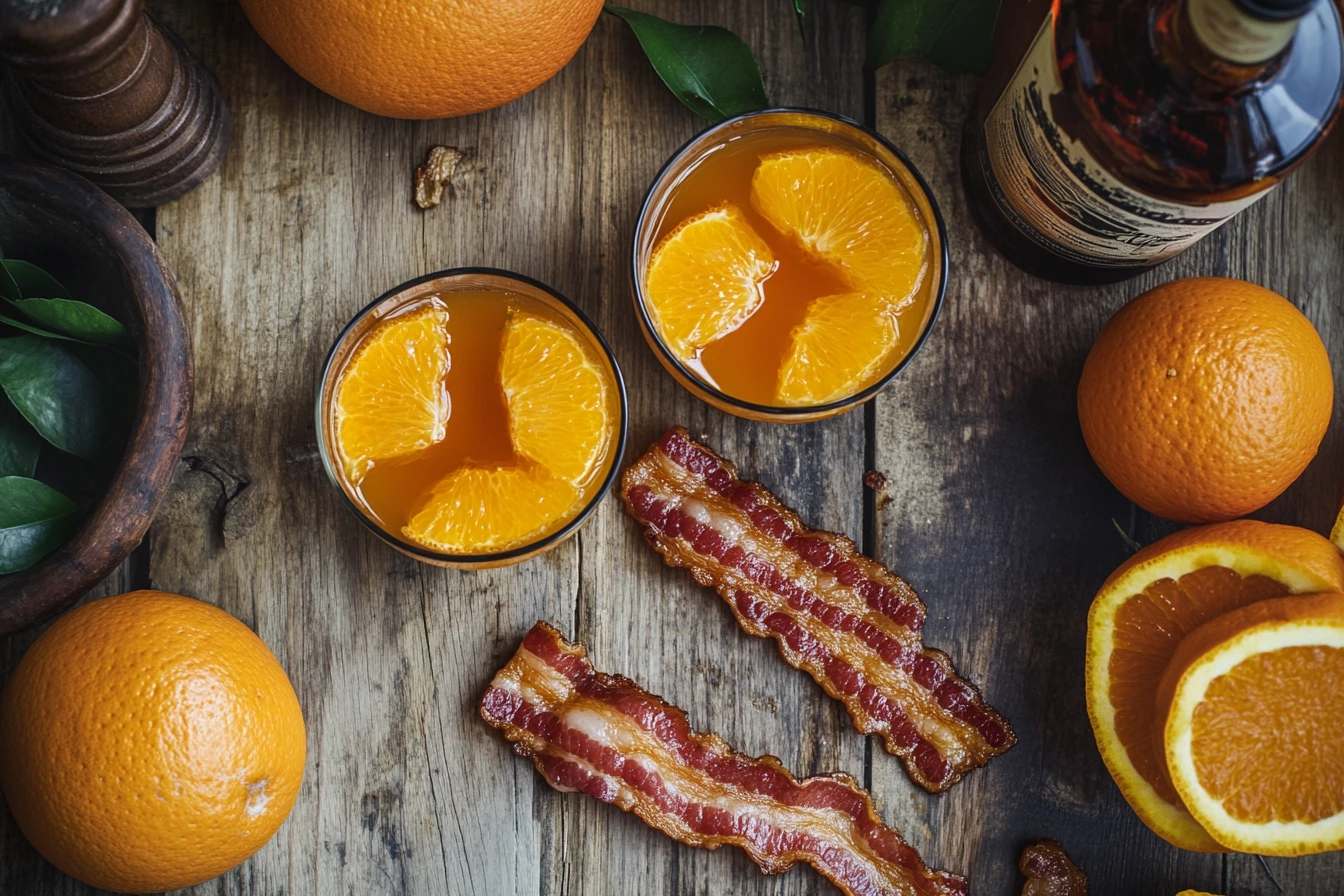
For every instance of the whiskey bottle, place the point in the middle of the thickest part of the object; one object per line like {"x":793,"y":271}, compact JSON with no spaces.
{"x":1111,"y":135}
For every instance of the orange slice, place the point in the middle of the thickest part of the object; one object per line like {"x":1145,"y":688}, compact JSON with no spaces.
{"x":1254,"y":734}
{"x":1194,"y":893}
{"x":850,"y":212}
{"x":391,"y":399}
{"x":1138,"y":619}
{"x":840,"y":345}
{"x":475,"y":511}
{"x":704,"y":279}
{"x":1337,"y":533}
{"x":557,"y":398}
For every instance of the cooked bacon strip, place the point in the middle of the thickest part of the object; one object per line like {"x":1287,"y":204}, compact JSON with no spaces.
{"x":1050,"y":871}
{"x":604,"y":735}
{"x":845,"y":619}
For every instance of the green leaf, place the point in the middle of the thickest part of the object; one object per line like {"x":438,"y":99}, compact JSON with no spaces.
{"x":799,"y":9}
{"x":8,"y":288}
{"x":33,"y":282}
{"x":708,"y":68}
{"x":34,"y":520}
{"x":20,"y":444}
{"x":57,"y":394}
{"x":31,"y":328}
{"x":77,"y":319}
{"x":955,"y":35}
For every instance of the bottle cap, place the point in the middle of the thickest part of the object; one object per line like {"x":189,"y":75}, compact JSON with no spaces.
{"x":1276,"y":10}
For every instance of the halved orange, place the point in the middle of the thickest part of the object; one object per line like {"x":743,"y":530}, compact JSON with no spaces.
{"x":477,"y":511}
{"x":840,"y":345}
{"x":557,"y":398}
{"x":391,"y":399}
{"x":1253,"y":704}
{"x":1138,"y":619}
{"x":850,"y":212}
{"x":704,"y":279}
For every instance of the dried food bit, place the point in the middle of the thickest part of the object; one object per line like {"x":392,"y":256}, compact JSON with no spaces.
{"x":1050,"y":872}
{"x":435,"y":174}
{"x":606,"y":736}
{"x":876,"y":481}
{"x":845,"y":619}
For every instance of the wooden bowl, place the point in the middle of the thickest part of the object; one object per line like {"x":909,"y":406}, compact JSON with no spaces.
{"x":67,"y":225}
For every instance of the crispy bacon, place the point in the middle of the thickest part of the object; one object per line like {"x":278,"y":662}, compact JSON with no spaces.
{"x":604,"y":735}
{"x":1050,"y":871}
{"x":845,"y":619}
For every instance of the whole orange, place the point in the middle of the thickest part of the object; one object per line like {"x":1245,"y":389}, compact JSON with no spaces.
{"x":1203,"y":399}
{"x":410,"y":59}
{"x":149,"y":741}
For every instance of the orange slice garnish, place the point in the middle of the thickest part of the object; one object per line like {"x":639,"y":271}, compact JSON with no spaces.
{"x":391,"y":398}
{"x":1138,"y":619}
{"x":836,"y":350}
{"x":850,"y":212}
{"x":475,"y":511}
{"x":557,"y":398}
{"x":1337,"y":533}
{"x":1254,"y":732}
{"x":704,"y":279}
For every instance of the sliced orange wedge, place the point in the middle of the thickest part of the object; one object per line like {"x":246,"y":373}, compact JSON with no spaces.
{"x":1138,"y":619}
{"x":1253,"y":703}
{"x":840,"y":345}
{"x":850,"y":212}
{"x":557,"y":398}
{"x":476,"y":511}
{"x":1337,"y":533}
{"x":391,"y":398}
{"x":704,"y":279}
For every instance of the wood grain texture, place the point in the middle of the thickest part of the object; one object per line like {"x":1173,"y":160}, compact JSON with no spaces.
{"x":999,"y":518}
{"x":996,"y":514}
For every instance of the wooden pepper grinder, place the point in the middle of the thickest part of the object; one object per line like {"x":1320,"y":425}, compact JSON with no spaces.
{"x":98,"y":87}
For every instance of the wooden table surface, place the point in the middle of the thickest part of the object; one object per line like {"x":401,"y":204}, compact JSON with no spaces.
{"x":995,"y":511}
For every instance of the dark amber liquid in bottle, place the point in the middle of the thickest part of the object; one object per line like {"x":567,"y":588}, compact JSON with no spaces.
{"x":1159,"y":111}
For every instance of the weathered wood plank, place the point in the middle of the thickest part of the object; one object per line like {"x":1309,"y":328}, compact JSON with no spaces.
{"x":1001,"y":520}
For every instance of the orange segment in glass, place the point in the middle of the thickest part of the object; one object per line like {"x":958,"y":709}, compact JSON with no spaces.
{"x":837,"y":349}
{"x":704,"y":279}
{"x":476,"y":511}
{"x":1253,"y":711}
{"x":1138,"y":620}
{"x":849,"y":211}
{"x":391,"y":399}
{"x":557,"y":398}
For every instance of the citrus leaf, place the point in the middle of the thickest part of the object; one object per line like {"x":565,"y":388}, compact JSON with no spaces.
{"x":34,"y":520}
{"x":708,"y":68}
{"x":31,"y":328}
{"x":8,"y":288}
{"x":33,"y":282}
{"x":20,"y":444}
{"x":955,"y":35}
{"x":76,"y":319}
{"x":57,"y":394}
{"x":800,"y":10}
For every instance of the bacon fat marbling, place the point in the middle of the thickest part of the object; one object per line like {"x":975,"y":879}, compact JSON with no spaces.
{"x":1050,"y":872}
{"x":844,"y":618}
{"x":603,"y":735}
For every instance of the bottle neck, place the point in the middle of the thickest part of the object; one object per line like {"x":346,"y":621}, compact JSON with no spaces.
{"x":1232,"y":35}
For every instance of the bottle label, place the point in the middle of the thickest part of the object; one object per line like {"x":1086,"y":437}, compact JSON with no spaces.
{"x":1054,"y":190}
{"x":1236,"y":36}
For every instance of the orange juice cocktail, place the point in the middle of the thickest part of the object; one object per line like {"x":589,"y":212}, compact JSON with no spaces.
{"x":472,"y":418}
{"x":787,"y":264}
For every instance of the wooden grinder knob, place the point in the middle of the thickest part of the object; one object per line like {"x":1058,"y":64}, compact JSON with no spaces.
{"x":98,"y":87}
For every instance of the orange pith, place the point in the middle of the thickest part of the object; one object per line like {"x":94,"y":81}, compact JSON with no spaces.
{"x":557,"y":398}
{"x":149,"y":742}
{"x":391,"y":399}
{"x":849,"y":211}
{"x":424,"y":60}
{"x":704,"y":279}
{"x":1203,"y":399}
{"x":1136,"y":624}
{"x":476,"y":510}
{"x":838,"y":347}
{"x":1252,"y":706}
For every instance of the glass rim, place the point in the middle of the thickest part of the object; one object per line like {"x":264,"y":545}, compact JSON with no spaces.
{"x":522,"y":551}
{"x":807,"y":411}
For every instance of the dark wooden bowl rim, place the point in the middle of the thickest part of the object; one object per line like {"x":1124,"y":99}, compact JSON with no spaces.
{"x":118,"y":524}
